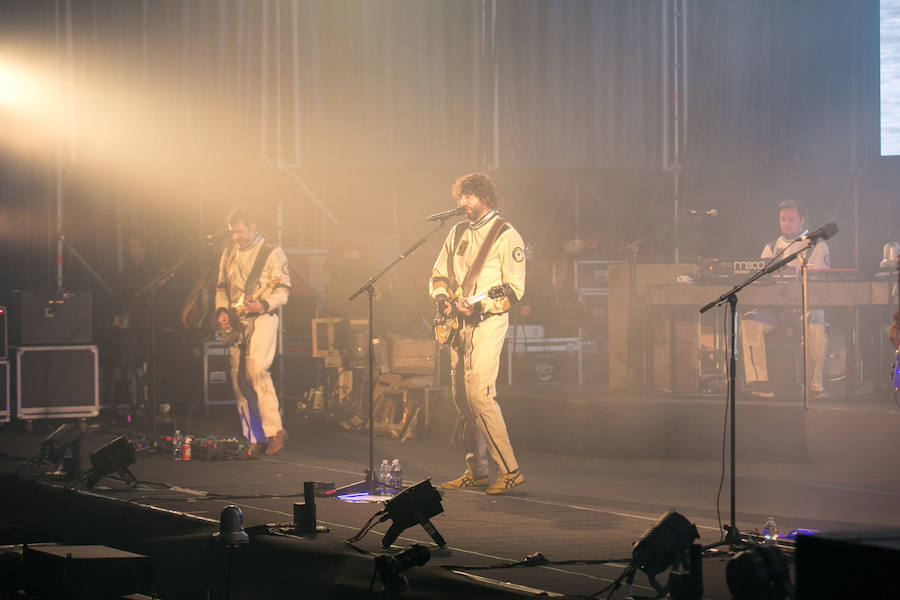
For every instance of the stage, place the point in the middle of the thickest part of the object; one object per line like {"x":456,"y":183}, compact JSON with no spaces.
{"x":616,"y":465}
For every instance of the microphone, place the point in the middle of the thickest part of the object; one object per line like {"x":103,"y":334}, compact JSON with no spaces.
{"x":446,"y":214}
{"x":710,"y":212}
{"x":821,"y":233}
{"x":217,"y":235}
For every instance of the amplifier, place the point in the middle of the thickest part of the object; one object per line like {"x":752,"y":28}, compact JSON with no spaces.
{"x":57,"y":381}
{"x":83,"y":572}
{"x":4,"y":340}
{"x":4,"y":391}
{"x":547,"y":361}
{"x":216,"y":374}
{"x":593,"y":274}
{"x":847,"y":564}
{"x":42,"y":317}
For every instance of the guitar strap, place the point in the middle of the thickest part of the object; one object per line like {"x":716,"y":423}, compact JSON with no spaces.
{"x":489,"y":240}
{"x":458,"y":232}
{"x":258,"y":264}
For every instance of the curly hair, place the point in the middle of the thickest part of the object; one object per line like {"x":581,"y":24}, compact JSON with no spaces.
{"x":478,"y":185}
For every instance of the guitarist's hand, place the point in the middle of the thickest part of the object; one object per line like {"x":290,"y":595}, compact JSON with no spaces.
{"x":463,"y":307}
{"x":223,"y":321}
{"x":254,"y":306}
{"x":442,"y":306}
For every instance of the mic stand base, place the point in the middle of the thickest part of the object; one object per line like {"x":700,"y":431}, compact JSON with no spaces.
{"x":366,"y":486}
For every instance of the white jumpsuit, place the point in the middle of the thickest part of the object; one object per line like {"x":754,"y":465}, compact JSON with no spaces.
{"x":756,"y":324}
{"x":475,"y":356}
{"x":256,"y":349}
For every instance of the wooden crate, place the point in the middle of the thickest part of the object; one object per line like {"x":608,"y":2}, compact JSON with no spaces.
{"x":412,"y":356}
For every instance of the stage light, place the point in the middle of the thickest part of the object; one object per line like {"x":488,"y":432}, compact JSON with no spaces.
{"x":664,"y":545}
{"x":63,"y":449}
{"x":231,"y":528}
{"x":21,"y":89}
{"x":759,"y":573}
{"x":112,"y":457}
{"x":389,"y":568}
{"x":415,"y":505}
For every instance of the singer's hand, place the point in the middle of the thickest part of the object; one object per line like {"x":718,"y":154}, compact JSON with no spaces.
{"x":442,"y":305}
{"x":463,"y":307}
{"x":253,"y":307}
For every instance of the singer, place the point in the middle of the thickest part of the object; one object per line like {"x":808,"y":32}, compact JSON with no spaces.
{"x":483,"y":254}
{"x":757,"y":323}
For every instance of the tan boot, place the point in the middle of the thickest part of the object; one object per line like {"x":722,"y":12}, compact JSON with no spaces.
{"x":276,"y":442}
{"x":506,"y":482}
{"x":466,"y":481}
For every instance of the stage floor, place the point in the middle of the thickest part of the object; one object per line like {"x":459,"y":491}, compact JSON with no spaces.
{"x":571,"y":507}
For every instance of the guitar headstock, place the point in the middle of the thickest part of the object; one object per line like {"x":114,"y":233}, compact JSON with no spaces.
{"x":498,"y":291}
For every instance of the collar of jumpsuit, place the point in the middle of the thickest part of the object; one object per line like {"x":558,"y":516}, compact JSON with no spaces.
{"x":483,"y":220}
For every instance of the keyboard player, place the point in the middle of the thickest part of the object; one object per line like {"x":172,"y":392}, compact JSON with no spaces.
{"x":756,"y":324}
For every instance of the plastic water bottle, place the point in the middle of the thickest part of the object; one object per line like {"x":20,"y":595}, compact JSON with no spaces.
{"x":384,"y":476}
{"x":770,"y":532}
{"x":396,"y":476}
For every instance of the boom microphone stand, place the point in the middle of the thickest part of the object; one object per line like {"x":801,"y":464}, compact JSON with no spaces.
{"x":732,"y":537}
{"x":368,"y":485}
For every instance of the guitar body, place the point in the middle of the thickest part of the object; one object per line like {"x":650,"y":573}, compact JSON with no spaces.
{"x":238,"y":317}
{"x":446,"y":329}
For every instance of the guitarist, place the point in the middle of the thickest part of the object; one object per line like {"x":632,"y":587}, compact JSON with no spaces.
{"x":479,"y":254}
{"x":253,"y":282}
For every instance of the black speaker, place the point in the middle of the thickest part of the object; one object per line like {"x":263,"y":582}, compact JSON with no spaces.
{"x":848,"y":564}
{"x":4,"y":391}
{"x":57,"y":381}
{"x":4,"y":341}
{"x":51,"y":317}
{"x":76,"y":572}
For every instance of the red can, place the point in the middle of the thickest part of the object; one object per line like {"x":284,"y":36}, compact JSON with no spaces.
{"x":186,"y":449}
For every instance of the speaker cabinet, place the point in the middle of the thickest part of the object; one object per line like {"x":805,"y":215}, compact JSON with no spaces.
{"x":4,"y":340}
{"x":4,"y":391}
{"x":47,"y":317}
{"x":216,"y":374}
{"x":57,"y":381}
{"x":84,"y":572}
{"x":848,"y":564}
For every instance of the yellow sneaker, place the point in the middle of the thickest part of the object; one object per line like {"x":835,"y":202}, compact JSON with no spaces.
{"x":466,"y":481}
{"x":506,"y":482}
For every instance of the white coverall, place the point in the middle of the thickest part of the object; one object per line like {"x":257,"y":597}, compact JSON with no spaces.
{"x":475,"y":356}
{"x":757,"y":323}
{"x":256,"y":349}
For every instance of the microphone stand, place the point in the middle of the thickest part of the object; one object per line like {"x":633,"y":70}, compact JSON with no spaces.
{"x":369,"y":484}
{"x":732,"y":537}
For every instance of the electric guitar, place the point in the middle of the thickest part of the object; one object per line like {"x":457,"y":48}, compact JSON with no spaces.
{"x":238,"y":317}
{"x":446,"y":328}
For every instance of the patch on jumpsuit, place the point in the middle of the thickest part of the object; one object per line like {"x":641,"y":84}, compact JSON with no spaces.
{"x":518,"y":254}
